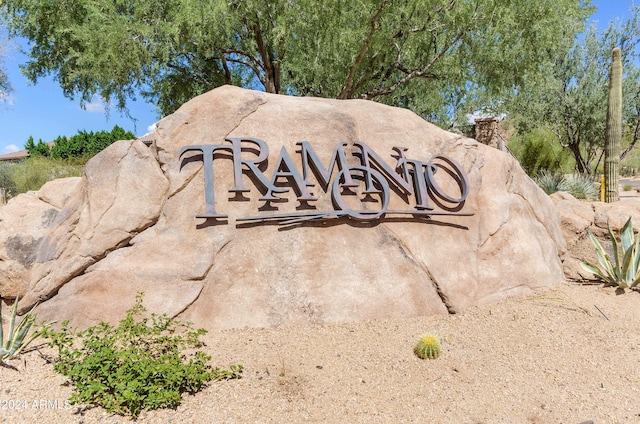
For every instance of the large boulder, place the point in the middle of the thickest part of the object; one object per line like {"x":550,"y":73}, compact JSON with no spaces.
{"x":24,"y":222}
{"x":227,"y":220}
{"x":579,"y":217}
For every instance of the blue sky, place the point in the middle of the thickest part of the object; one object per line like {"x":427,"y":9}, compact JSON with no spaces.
{"x":43,"y":112}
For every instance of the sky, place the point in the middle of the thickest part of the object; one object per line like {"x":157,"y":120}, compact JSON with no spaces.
{"x":42,"y":111}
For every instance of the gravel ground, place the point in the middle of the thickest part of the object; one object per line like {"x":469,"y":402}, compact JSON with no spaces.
{"x":568,"y":355}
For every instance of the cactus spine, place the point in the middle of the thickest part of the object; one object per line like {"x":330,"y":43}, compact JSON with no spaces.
{"x":614,"y":128}
{"x":428,"y":347}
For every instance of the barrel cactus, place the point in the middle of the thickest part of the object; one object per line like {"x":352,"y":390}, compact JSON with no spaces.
{"x":428,"y":347}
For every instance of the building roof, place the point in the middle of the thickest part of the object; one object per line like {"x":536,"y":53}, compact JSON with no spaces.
{"x":19,"y":155}
{"x":14,"y":156}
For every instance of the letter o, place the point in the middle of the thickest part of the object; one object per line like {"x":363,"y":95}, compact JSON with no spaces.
{"x":361,"y":215}
{"x":461,"y":179}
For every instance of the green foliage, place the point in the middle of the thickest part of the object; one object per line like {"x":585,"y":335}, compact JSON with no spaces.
{"x":627,"y":187}
{"x":18,"y":337}
{"x":428,"y":347}
{"x":550,"y":182}
{"x":87,"y":144}
{"x":537,"y":150}
{"x":433,"y":56}
{"x":141,"y":364}
{"x":579,"y":186}
{"x":570,"y":101}
{"x":65,"y":159}
{"x":40,"y":149}
{"x":33,"y":173}
{"x":624,"y":271}
{"x":6,"y":179}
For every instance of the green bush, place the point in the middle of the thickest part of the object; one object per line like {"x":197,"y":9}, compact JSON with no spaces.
{"x":33,"y":173}
{"x":141,"y":364}
{"x":87,"y":144}
{"x":6,"y":179}
{"x":538,"y":150}
{"x":40,"y":149}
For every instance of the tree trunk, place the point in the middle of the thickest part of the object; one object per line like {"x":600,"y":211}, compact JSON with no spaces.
{"x":614,"y":129}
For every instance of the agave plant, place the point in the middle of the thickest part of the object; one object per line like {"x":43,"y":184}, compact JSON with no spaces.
{"x":580,"y":186}
{"x":624,"y":271}
{"x":17,"y":338}
{"x":550,"y":182}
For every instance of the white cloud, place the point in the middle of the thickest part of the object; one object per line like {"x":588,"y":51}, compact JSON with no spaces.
{"x":95,"y":105}
{"x":6,"y":98}
{"x":151,"y":129}
{"x":11,"y":148}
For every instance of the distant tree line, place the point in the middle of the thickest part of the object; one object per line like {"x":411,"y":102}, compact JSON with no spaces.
{"x":81,"y":145}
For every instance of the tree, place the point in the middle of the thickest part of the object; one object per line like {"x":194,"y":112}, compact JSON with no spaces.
{"x":441,"y":58}
{"x":5,"y":85}
{"x":40,"y":149}
{"x":87,"y":144}
{"x":572,"y":101}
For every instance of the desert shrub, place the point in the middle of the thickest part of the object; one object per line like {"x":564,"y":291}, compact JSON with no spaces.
{"x":627,"y":187}
{"x":624,"y":270}
{"x":141,"y":364}
{"x":6,"y":179}
{"x":581,"y":187}
{"x":538,"y":150}
{"x":18,"y":337}
{"x":33,"y":173}
{"x":550,"y":182}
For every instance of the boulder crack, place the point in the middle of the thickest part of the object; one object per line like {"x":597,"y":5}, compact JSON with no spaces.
{"x":406,"y":251}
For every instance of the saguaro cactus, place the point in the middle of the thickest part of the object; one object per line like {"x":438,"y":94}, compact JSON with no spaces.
{"x":614,"y":129}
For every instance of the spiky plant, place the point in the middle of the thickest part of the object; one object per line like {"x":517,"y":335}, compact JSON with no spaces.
{"x":614,"y":128}
{"x":550,"y":182}
{"x":624,"y":271}
{"x":18,"y":337}
{"x":580,"y":186}
{"x":428,"y":347}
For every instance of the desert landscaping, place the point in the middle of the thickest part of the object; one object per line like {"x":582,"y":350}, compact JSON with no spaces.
{"x":527,"y":335}
{"x":319,"y":212}
{"x":566,"y":355}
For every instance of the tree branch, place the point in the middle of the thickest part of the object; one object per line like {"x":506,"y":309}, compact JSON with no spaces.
{"x":416,"y":73}
{"x":347,"y":91}
{"x":424,"y":71}
{"x":636,"y":135}
{"x":271,"y":85}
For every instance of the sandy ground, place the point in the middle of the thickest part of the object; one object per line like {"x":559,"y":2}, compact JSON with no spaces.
{"x":568,"y":355}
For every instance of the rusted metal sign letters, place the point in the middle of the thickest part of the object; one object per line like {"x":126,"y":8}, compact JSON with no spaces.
{"x":364,"y":173}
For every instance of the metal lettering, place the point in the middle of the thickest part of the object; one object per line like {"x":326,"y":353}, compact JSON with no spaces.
{"x":410,"y":176}
{"x":287,"y":169}
{"x":368,"y":156}
{"x":207,"y":160}
{"x":310,"y":159}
